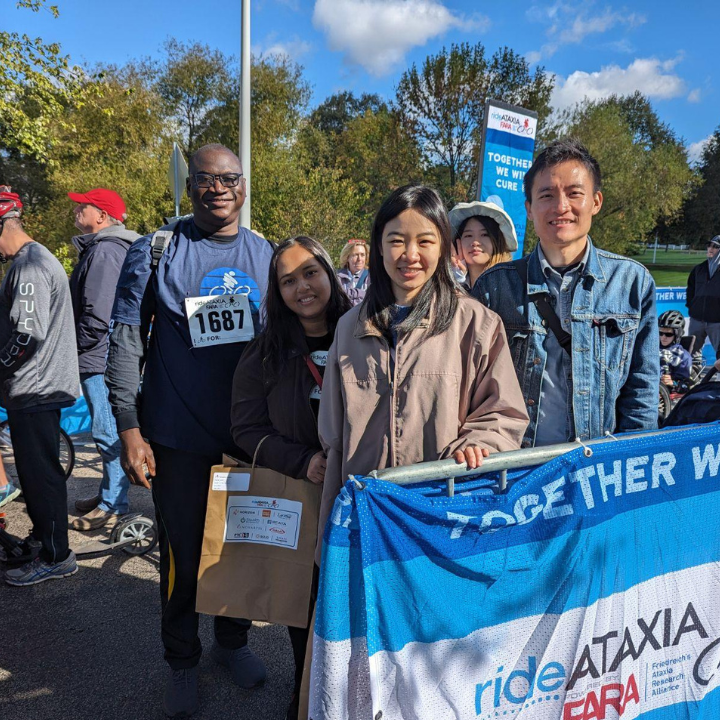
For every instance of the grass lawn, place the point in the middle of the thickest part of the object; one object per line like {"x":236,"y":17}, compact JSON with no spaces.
{"x":672,"y":267}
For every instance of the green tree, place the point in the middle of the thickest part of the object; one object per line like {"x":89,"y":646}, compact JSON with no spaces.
{"x":442,"y":104}
{"x":193,"y":81}
{"x":700,"y":217}
{"x":377,"y":155}
{"x":334,"y":114}
{"x":645,"y":170}
{"x":118,"y":142}
{"x":279,"y":97}
{"x":37,"y":84}
{"x":292,"y":193}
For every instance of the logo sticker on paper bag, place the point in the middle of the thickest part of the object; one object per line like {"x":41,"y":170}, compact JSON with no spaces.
{"x":268,"y":521}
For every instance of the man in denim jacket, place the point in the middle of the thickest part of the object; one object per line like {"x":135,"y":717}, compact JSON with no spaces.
{"x":609,"y":380}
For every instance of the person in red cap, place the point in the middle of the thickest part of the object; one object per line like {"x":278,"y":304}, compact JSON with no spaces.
{"x":97,"y":207}
{"x":102,"y":248}
{"x":38,"y":377}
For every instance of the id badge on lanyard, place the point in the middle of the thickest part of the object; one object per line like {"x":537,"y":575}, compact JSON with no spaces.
{"x":219,"y":320}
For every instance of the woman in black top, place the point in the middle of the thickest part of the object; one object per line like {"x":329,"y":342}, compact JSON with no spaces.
{"x":278,"y":381}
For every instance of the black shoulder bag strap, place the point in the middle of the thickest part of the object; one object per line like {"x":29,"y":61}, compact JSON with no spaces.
{"x":545,"y":309}
{"x":159,"y":243}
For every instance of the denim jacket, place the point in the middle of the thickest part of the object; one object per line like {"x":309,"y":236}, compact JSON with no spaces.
{"x":615,"y":370}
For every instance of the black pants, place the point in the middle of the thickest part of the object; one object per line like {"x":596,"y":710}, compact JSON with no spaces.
{"x":299,"y":636}
{"x":180,"y":490}
{"x":36,"y":446}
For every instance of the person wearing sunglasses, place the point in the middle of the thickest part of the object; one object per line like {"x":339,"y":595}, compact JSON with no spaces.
{"x":202,"y":292}
{"x":676,"y":363}
{"x":703,"y":299}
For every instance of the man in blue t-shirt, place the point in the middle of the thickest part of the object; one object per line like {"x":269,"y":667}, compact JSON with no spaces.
{"x":199,"y":307}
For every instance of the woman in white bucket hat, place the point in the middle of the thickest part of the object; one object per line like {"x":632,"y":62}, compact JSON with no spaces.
{"x":484,"y":236}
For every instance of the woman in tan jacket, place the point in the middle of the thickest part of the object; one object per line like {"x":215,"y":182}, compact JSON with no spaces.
{"x":419,"y":371}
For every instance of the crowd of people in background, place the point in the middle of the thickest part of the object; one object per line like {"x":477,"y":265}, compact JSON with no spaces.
{"x":428,"y":342}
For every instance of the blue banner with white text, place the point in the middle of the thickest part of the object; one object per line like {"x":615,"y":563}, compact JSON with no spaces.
{"x":507,"y":154}
{"x":588,"y":591}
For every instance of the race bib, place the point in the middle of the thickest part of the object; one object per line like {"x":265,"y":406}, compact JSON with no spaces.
{"x":219,"y":319}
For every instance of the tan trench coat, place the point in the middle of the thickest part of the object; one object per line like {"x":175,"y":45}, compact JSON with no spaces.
{"x":447,"y":392}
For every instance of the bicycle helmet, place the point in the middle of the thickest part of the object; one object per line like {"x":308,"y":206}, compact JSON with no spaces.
{"x":674,"y":320}
{"x":10,"y":207}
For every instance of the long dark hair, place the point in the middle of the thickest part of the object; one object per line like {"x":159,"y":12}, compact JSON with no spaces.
{"x":439,"y":292}
{"x":283,"y":331}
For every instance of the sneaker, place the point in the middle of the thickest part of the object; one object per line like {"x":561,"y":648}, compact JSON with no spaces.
{"x":87,"y":504}
{"x":8,"y":493}
{"x":38,"y":571}
{"x":95,"y":519}
{"x":181,"y":693}
{"x":247,"y":669}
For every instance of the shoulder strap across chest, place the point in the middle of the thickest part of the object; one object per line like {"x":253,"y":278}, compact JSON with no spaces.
{"x":545,"y":309}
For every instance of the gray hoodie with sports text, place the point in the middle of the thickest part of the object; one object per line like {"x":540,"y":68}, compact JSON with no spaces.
{"x":38,"y":355}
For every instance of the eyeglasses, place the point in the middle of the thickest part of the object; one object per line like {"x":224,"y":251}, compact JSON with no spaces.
{"x":713,"y":245}
{"x":667,"y":334}
{"x":207,"y":180}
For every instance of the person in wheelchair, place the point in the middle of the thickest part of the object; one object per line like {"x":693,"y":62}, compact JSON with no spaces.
{"x":679,"y":367}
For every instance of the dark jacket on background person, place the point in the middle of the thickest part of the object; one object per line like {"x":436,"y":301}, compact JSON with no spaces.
{"x":92,"y":286}
{"x":703,"y":294}
{"x":275,"y":406}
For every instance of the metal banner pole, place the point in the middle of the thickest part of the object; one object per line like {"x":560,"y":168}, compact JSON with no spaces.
{"x":245,"y":112}
{"x":498,"y":462}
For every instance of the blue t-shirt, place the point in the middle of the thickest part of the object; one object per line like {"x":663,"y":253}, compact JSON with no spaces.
{"x":186,"y":390}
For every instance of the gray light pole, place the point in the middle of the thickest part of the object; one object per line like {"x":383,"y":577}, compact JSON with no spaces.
{"x":245,"y":111}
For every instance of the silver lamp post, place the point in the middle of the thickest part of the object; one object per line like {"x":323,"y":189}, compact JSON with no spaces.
{"x":245,"y":111}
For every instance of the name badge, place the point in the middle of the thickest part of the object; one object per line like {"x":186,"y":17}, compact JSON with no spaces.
{"x":219,"y":319}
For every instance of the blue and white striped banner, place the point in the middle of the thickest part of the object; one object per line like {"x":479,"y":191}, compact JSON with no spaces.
{"x":590,"y":591}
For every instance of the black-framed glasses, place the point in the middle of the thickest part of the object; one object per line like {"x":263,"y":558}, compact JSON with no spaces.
{"x":667,"y":334}
{"x":207,"y":180}
{"x":713,"y":245}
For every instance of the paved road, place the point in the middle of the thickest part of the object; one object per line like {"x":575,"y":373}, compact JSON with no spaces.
{"x":88,"y":647}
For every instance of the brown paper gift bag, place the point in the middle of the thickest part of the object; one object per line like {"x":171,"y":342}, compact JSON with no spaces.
{"x":259,"y":545}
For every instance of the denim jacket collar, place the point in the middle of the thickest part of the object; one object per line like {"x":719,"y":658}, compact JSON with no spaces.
{"x":537,"y":282}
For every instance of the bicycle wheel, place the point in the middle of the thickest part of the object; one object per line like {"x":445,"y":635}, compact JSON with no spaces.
{"x":664,"y":404}
{"x":66,"y":452}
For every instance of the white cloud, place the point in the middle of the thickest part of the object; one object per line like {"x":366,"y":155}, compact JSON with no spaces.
{"x":376,"y":34}
{"x":694,"y":96}
{"x":695,"y":150}
{"x":621,"y":46}
{"x":293,"y":49}
{"x":584,"y":26}
{"x":567,"y":27}
{"x":650,"y":76}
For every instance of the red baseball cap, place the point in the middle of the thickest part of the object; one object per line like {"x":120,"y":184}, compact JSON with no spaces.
{"x":106,"y":200}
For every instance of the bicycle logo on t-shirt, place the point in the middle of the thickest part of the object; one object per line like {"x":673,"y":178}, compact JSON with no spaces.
{"x":230,"y":281}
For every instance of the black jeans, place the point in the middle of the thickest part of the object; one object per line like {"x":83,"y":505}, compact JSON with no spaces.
{"x":36,"y":446}
{"x":299,"y":636}
{"x":180,"y":491}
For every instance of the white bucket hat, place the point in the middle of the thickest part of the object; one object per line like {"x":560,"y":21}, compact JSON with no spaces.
{"x":462,"y":211}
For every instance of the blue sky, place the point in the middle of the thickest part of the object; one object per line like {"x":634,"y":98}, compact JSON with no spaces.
{"x":664,"y":49}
